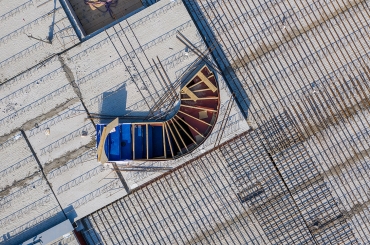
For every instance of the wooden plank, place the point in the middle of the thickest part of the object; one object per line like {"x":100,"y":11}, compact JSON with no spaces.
{"x":101,"y":145}
{"x":102,"y":157}
{"x":168,"y":138}
{"x":173,"y":135}
{"x":189,"y":93}
{"x":203,"y":98}
{"x":190,"y":126}
{"x":200,"y":74}
{"x":183,"y":142}
{"x":207,"y":81}
{"x":164,"y":142}
{"x":147,"y":143}
{"x":201,"y":90}
{"x":201,"y":108}
{"x":185,"y":132}
{"x":133,"y":141}
{"x":195,"y":83}
{"x":195,"y":118}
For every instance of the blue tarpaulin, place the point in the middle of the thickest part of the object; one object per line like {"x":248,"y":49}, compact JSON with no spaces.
{"x":126,"y":148}
{"x":156,"y":140}
{"x":118,"y":144}
{"x":114,"y":144}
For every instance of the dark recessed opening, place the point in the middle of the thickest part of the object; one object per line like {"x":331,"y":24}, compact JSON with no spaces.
{"x":94,"y":15}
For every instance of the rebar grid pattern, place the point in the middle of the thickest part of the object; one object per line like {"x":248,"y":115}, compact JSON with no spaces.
{"x":300,"y":72}
{"x":194,"y":204}
{"x":241,"y":182}
{"x":310,"y":61}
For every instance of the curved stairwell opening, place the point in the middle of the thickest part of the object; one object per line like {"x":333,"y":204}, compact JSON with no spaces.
{"x":169,"y":139}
